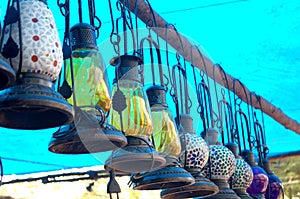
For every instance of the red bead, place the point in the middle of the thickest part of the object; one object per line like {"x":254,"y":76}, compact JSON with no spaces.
{"x":35,"y":20}
{"x":55,"y":63}
{"x":35,"y":38}
{"x":34,"y":58}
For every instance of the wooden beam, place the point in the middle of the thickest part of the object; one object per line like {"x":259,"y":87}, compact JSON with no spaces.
{"x":144,"y":13}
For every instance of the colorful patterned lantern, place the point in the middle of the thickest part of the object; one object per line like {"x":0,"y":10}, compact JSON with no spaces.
{"x":131,"y":114}
{"x":243,"y":176}
{"x":167,"y":142}
{"x":194,"y":156}
{"x":32,"y":46}
{"x":90,"y":91}
{"x":221,"y":167}
{"x":260,"y":181}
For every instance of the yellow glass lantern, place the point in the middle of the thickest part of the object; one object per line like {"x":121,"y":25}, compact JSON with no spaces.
{"x":167,"y":142}
{"x":32,"y":46}
{"x":90,"y":90}
{"x":131,"y":114}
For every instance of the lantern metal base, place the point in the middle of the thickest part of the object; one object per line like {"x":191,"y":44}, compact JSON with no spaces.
{"x":92,"y":140}
{"x":138,"y":156}
{"x":242,"y":193}
{"x":33,"y":106}
{"x":224,"y":191}
{"x":168,"y":177}
{"x":7,"y":75}
{"x":202,"y":187}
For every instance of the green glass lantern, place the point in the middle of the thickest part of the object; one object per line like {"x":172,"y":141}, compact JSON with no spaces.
{"x":167,"y":142}
{"x":131,"y":114}
{"x":88,"y":133}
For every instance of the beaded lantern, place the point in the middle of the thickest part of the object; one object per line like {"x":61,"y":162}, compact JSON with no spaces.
{"x":32,"y":46}
{"x":194,"y":156}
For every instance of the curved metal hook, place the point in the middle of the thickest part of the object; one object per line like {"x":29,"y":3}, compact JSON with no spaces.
{"x":157,"y":50}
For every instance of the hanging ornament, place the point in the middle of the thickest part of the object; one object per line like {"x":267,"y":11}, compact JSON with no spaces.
{"x":89,"y":133}
{"x":133,"y":117}
{"x":32,"y":46}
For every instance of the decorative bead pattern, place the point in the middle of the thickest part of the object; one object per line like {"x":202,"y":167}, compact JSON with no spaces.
{"x":242,"y":176}
{"x":260,"y":181}
{"x":41,"y":46}
{"x":196,"y":150}
{"x":222,"y":163}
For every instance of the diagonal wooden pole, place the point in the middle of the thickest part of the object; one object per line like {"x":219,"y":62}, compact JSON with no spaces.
{"x":144,"y":13}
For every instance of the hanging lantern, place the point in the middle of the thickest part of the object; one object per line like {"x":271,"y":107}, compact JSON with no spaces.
{"x":220,"y":168}
{"x":243,"y":176}
{"x":130,"y":113}
{"x":194,"y":156}
{"x":166,"y":142}
{"x":32,"y":102}
{"x":260,"y":181}
{"x":275,"y":188}
{"x":90,"y":90}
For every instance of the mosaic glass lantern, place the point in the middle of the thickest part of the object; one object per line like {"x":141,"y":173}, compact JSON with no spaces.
{"x":31,"y":44}
{"x":167,"y":142}
{"x":88,"y":133}
{"x":194,"y":155}
{"x":131,"y":114}
{"x":260,"y":181}
{"x":243,"y":176}
{"x":221,"y":166}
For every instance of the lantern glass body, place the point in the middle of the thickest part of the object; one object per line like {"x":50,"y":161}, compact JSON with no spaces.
{"x":165,"y":133}
{"x":260,"y":181}
{"x":135,"y":119}
{"x":196,"y":152}
{"x":222,"y":163}
{"x":90,"y":86}
{"x":242,"y":176}
{"x":41,"y":47}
